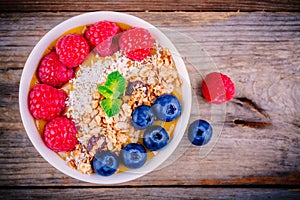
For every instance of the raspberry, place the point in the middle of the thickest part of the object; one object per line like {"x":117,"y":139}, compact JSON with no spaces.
{"x":46,"y":102}
{"x":101,"y":36}
{"x":52,"y":72}
{"x":136,"y":43}
{"x":217,"y":88}
{"x":60,"y":134}
{"x":72,"y":50}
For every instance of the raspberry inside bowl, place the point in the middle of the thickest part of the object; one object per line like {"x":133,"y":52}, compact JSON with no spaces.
{"x":29,"y":71}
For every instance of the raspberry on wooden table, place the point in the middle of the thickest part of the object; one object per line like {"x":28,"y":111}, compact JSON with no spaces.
{"x":72,"y":49}
{"x":60,"y":134}
{"x":46,"y":102}
{"x":136,"y":43}
{"x":101,"y":37}
{"x":52,"y":72}
{"x":217,"y":88}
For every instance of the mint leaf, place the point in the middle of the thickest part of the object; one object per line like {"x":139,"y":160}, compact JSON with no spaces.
{"x":113,"y":88}
{"x":106,"y":92}
{"x":116,"y":83}
{"x":111,"y":106}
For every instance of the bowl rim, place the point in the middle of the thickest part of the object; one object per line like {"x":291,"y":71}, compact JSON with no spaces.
{"x":33,"y":60}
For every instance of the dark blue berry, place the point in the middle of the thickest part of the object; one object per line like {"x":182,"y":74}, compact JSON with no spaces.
{"x":133,"y":155}
{"x":200,"y":132}
{"x":142,"y":117}
{"x":167,"y":107}
{"x":105,"y":163}
{"x":155,"y":138}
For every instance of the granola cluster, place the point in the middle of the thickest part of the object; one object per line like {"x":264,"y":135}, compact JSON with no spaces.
{"x":80,"y":160}
{"x":146,"y":80}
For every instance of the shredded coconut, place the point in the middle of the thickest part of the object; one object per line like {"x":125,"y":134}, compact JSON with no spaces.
{"x":97,"y":131}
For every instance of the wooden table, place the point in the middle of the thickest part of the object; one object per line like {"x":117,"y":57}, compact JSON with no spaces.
{"x":258,"y":154}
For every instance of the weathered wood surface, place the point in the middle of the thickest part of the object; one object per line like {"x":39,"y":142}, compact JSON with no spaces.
{"x":152,"y":193}
{"x":161,"y":5}
{"x":260,"y":141}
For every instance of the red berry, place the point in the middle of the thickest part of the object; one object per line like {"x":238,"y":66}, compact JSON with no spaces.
{"x":46,"y":102}
{"x":136,"y":43}
{"x":101,"y":37}
{"x":72,"y":50}
{"x":52,"y":72}
{"x":217,"y":88}
{"x":60,"y":134}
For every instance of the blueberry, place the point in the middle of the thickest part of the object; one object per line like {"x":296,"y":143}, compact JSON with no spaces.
{"x":167,"y":107}
{"x":133,"y":155}
{"x":142,"y":117}
{"x":200,"y":132}
{"x":105,"y":163}
{"x":155,"y":138}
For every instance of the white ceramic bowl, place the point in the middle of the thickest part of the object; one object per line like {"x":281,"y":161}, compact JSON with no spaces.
{"x":30,"y":68}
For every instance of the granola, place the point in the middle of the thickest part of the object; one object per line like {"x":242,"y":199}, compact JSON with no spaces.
{"x":146,"y":80}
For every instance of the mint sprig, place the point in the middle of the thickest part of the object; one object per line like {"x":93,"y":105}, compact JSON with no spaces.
{"x":113,"y":88}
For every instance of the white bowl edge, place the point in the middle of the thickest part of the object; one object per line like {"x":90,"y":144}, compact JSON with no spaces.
{"x":33,"y":60}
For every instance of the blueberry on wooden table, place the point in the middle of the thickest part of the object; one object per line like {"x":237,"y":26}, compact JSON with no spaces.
{"x":200,"y":132}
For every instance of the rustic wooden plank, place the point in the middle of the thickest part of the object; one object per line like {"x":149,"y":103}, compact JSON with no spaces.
{"x":260,"y":139}
{"x":18,"y":39}
{"x":150,"y":193}
{"x":161,"y":5}
{"x":232,"y":162}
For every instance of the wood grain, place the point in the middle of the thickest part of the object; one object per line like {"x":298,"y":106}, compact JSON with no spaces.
{"x":260,"y":139}
{"x":157,"y":5}
{"x":151,"y":193}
